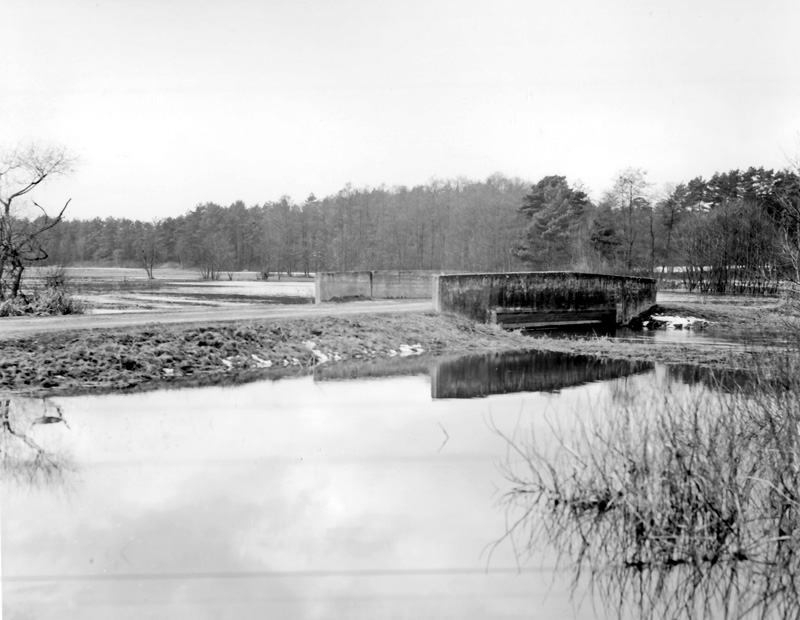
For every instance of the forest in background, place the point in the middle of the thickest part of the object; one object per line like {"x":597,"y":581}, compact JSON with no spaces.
{"x":736,"y":232}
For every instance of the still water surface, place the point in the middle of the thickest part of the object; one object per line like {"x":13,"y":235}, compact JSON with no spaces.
{"x":306,"y":498}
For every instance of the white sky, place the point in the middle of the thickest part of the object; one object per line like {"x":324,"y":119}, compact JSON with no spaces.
{"x":170,"y":103}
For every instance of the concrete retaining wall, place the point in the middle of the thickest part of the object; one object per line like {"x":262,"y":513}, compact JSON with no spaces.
{"x":331,"y":286}
{"x":402,"y":284}
{"x":543,"y":298}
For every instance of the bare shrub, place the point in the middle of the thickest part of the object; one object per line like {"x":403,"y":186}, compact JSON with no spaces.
{"x":54,"y":277}
{"x":52,"y":298}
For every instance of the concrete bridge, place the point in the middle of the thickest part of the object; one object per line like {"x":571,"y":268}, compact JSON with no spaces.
{"x":513,"y":300}
{"x":544,"y":298}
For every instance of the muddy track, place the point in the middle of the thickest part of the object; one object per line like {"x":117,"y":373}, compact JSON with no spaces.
{"x":19,"y":327}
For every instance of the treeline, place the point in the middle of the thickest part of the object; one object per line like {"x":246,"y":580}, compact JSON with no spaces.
{"x":455,"y":224}
{"x":738,"y":231}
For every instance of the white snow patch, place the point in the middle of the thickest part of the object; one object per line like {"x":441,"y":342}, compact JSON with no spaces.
{"x":260,"y":363}
{"x":664,"y":321}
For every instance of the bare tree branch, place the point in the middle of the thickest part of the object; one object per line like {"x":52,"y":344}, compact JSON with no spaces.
{"x":21,"y":240}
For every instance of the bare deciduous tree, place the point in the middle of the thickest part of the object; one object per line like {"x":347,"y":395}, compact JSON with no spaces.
{"x":148,"y":247}
{"x":630,"y":197}
{"x":788,"y":221}
{"x":789,"y":235}
{"x":22,"y":170}
{"x":213,"y":255}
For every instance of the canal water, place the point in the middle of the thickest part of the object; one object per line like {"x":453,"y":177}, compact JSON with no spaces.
{"x":337,"y":495}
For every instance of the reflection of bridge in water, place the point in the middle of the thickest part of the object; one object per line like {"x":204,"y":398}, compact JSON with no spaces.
{"x":533,"y":371}
{"x":474,"y":376}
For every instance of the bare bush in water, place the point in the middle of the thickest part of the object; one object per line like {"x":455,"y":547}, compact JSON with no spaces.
{"x":682,"y":509}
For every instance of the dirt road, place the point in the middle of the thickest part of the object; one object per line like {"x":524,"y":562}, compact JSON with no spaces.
{"x":21,"y":327}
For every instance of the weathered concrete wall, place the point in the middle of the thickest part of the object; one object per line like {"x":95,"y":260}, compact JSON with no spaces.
{"x":402,"y":284}
{"x":634,"y":296}
{"x":341,"y":285}
{"x":373,"y":285}
{"x":534,"y":298}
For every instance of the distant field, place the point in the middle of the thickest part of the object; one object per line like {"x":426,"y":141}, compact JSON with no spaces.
{"x":119,"y":289}
{"x":129,"y":273}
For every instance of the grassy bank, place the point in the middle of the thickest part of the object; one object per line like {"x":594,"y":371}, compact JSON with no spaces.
{"x":144,"y":358}
{"x":147,"y":358}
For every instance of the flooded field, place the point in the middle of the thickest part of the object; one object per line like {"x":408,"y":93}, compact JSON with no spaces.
{"x":330,"y":496}
{"x":111,"y":290}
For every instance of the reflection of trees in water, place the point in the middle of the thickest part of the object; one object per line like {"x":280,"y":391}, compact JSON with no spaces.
{"x":727,"y":380}
{"x":671,"y":511}
{"x":22,"y":459}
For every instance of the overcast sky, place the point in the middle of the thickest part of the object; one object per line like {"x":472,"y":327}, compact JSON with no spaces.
{"x":170,"y":103}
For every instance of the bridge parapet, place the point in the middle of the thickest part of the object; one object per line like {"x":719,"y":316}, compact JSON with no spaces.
{"x":543,"y":298}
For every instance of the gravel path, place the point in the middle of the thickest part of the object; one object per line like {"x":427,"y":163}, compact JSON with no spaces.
{"x":18,"y":327}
